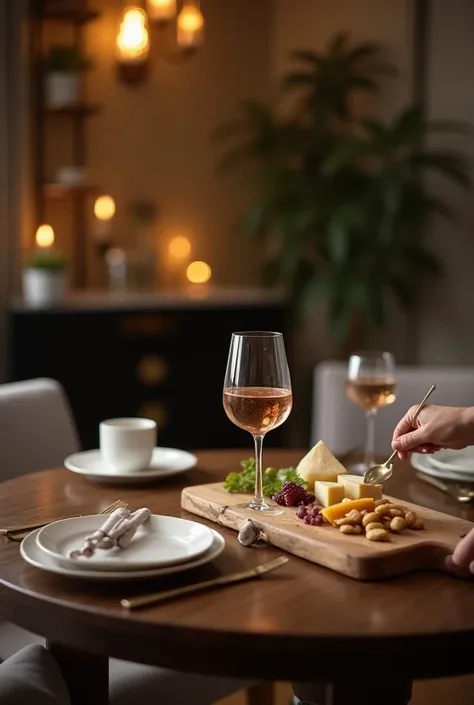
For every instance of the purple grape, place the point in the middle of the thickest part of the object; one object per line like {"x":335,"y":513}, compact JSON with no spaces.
{"x":307,"y":519}
{"x":315,"y":511}
{"x":301,"y":512}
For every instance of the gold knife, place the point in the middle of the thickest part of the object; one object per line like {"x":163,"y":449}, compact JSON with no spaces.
{"x":135,"y":602}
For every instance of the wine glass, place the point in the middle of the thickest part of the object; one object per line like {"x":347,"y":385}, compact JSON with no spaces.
{"x":371,"y":384}
{"x":257,"y":395}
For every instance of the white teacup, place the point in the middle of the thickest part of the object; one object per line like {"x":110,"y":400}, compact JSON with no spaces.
{"x":126,"y":445}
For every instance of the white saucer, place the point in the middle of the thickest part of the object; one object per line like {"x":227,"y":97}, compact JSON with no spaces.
{"x":461,"y":461}
{"x":165,"y":462}
{"x":161,"y":541}
{"x":423,"y":463}
{"x":33,"y":554}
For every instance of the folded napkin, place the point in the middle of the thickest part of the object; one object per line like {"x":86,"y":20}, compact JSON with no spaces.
{"x":116,"y":532}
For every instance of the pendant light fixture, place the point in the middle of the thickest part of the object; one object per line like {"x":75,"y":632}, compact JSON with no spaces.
{"x":190,"y":26}
{"x":133,"y":44}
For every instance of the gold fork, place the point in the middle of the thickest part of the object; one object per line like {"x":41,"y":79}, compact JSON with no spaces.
{"x":18,"y":533}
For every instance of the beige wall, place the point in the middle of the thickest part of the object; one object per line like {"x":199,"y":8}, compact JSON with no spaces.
{"x":153,"y":141}
{"x":446,"y":320}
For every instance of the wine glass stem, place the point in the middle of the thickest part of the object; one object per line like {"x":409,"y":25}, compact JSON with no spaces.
{"x":370,"y":442}
{"x":258,"y":499}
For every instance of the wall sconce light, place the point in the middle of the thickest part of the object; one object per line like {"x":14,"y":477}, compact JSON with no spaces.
{"x":190,"y":27}
{"x":44,"y":238}
{"x":161,"y":11}
{"x":133,"y":45}
{"x":179,"y":248}
{"x":104,"y":211}
{"x":198,"y":272}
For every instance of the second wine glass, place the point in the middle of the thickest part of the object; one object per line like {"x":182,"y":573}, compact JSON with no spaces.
{"x":371,"y":384}
{"x":257,"y":395}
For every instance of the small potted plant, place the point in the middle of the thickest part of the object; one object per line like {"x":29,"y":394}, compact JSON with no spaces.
{"x":45,"y":278}
{"x":62,"y":66}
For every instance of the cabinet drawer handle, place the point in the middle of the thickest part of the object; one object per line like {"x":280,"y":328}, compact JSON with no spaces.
{"x":145,"y":325}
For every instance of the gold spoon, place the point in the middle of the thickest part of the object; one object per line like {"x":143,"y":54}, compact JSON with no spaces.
{"x":381,"y":473}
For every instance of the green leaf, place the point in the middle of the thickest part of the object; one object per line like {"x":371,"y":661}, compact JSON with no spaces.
{"x":450,"y":164}
{"x":364,"y":51}
{"x":346,"y":152}
{"x":316,"y":291}
{"x":338,"y":42}
{"x":404,"y":289}
{"x":421,"y":260}
{"x":408,"y":127}
{"x":270,"y":272}
{"x":254,"y":221}
{"x":297,"y":79}
{"x":307,"y":56}
{"x":364,"y":83}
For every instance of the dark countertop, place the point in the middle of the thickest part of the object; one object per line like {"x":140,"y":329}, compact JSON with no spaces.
{"x":198,"y":296}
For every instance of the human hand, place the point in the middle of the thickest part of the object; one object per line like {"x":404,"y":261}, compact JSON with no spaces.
{"x":462,"y":559}
{"x":436,"y":427}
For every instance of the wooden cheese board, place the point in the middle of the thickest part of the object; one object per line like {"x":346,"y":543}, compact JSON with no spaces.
{"x":353,"y":556}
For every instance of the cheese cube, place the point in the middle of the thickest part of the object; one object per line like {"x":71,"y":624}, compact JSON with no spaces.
{"x":320,"y":465}
{"x":328,"y":493}
{"x":355,"y":488}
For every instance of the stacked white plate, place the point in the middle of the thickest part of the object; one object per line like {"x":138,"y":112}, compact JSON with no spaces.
{"x":447,"y":465}
{"x":162,"y":546}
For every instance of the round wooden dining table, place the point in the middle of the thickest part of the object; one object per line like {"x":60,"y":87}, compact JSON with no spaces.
{"x":301,"y":623}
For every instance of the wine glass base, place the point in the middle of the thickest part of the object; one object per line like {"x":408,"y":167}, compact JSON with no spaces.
{"x":359,"y":468}
{"x":265,"y":508}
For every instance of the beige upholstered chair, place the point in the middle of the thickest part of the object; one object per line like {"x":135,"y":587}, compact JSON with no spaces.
{"x":36,"y":432}
{"x":341,"y":424}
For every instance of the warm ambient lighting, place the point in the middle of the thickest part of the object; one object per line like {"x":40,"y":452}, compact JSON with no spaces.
{"x":44,"y":236}
{"x":179,"y":248}
{"x":190,"y":26}
{"x":133,"y":40}
{"x":104,"y":208}
{"x":161,"y":10}
{"x":198,"y":272}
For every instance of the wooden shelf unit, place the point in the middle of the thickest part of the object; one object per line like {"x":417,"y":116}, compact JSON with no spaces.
{"x":56,"y":192}
{"x":77,"y":15}
{"x":71,"y":15}
{"x":79,"y":110}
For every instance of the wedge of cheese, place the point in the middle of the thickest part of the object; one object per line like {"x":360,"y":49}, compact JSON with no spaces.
{"x":356,"y":488}
{"x":320,"y":465}
{"x":328,"y":493}
{"x":337,"y":511}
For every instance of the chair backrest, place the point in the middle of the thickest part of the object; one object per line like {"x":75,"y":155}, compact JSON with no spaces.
{"x":37,"y":430}
{"x":341,"y":424}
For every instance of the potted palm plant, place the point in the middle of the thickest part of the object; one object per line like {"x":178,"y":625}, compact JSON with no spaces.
{"x":45,"y":278}
{"x":338,"y":198}
{"x":62,"y":67}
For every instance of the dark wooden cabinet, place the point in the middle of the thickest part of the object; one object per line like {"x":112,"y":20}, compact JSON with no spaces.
{"x":155,"y":360}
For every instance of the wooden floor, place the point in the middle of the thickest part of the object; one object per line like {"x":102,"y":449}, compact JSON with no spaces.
{"x":449,"y":691}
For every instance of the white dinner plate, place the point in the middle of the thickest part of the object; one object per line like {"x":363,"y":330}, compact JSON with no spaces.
{"x":461,"y":461}
{"x":165,"y":462}
{"x":33,"y":554}
{"x":423,"y":463}
{"x":159,"y":542}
